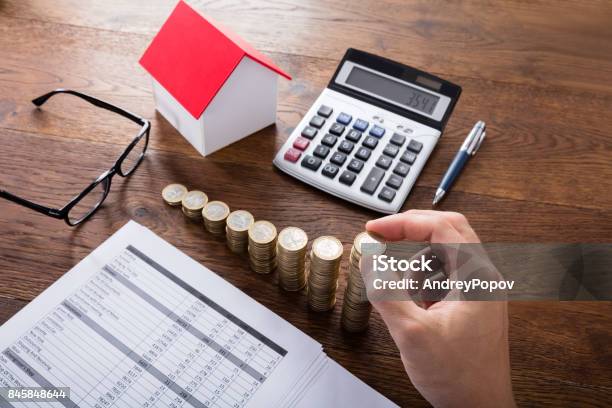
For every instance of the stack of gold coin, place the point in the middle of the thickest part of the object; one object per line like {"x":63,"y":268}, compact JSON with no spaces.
{"x":173,"y":194}
{"x":291,"y":254}
{"x":325,"y":257}
{"x":237,"y":230}
{"x":262,"y":247}
{"x":193,"y":202}
{"x":215,"y":213}
{"x":356,"y":308}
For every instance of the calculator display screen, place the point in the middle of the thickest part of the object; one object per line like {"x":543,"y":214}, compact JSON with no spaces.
{"x":399,"y":92}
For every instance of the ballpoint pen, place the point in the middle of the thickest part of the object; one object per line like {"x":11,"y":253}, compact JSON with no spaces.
{"x":468,"y":149}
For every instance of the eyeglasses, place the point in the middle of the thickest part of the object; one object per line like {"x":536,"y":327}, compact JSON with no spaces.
{"x":84,"y":205}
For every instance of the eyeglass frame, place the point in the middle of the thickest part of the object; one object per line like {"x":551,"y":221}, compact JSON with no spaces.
{"x":106,"y":177}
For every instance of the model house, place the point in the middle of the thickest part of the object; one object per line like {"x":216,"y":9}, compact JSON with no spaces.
{"x":211,"y":85}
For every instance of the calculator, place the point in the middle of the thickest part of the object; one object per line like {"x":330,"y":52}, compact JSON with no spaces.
{"x":369,"y":134}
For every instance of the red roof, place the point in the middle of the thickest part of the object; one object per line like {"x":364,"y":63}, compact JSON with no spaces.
{"x":192,"y":57}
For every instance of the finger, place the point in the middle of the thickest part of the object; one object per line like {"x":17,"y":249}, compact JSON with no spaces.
{"x":457,"y":220}
{"x":413,"y":226}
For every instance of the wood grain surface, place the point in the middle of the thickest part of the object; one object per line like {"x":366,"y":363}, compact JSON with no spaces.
{"x":539,"y":73}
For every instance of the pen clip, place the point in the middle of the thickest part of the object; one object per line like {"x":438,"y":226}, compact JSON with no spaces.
{"x":478,"y":140}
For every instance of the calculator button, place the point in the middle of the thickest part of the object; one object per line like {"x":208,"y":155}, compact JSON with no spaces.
{"x":301,"y":143}
{"x":353,"y":135}
{"x":363,"y":153}
{"x":348,"y":178}
{"x":336,"y":129}
{"x":355,"y":165}
{"x":292,"y":155}
{"x":384,"y":162}
{"x":330,"y":170}
{"x":309,"y":132}
{"x":386,"y":194}
{"x":346,"y":146}
{"x":394,"y":181}
{"x":377,"y":131}
{"x":361,"y":125}
{"x":370,"y":142}
{"x":398,"y":139}
{"x":408,"y":157}
{"x":391,"y":150}
{"x":329,"y":140}
{"x":317,"y":122}
{"x":344,"y":118}
{"x":325,"y":111}
{"x":373,"y":180}
{"x":401,"y":169}
{"x":415,"y":146}
{"x":338,"y":158}
{"x":311,"y":163}
{"x":321,"y":151}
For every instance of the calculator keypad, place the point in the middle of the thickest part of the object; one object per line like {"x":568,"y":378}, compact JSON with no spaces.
{"x":330,"y":170}
{"x":325,"y":111}
{"x":309,"y":132}
{"x":341,"y":153}
{"x":398,"y":139}
{"x":329,"y":140}
{"x":292,"y":155}
{"x":408,"y":157}
{"x":391,"y":150}
{"x":361,"y":125}
{"x":373,"y":180}
{"x":415,"y":146}
{"x":401,"y":169}
{"x":321,"y":151}
{"x":338,"y":158}
{"x":377,"y":131}
{"x":317,"y":121}
{"x":336,"y":129}
{"x":386,"y":194}
{"x":301,"y":143}
{"x":346,"y":146}
{"x":311,"y":163}
{"x":355,"y":165}
{"x":363,"y":153}
{"x":384,"y":162}
{"x":370,"y":142}
{"x":348,"y":178}
{"x":353,"y":135}
{"x":344,"y":118}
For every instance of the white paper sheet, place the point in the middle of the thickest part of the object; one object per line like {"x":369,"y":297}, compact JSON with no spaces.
{"x":139,"y":323}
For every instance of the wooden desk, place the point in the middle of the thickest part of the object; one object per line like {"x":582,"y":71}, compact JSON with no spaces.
{"x":539,"y":74}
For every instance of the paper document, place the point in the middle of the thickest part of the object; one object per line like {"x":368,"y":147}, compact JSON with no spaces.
{"x":138,"y":323}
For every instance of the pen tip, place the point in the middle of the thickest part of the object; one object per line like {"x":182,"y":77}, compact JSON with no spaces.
{"x":437,"y":197}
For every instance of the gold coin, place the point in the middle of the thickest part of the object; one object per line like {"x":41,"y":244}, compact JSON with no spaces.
{"x":216,"y":211}
{"x":262,"y":232}
{"x":194,"y":200}
{"x":173,"y":193}
{"x":327,"y":248}
{"x":293,"y":239}
{"x":367,"y":238}
{"x":240,"y":220}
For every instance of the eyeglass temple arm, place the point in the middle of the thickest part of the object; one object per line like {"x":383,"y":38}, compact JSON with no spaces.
{"x":94,"y":101}
{"x":33,"y":206}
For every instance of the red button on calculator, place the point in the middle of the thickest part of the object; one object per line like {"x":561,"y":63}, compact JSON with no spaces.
{"x":301,"y":143}
{"x":292,"y":155}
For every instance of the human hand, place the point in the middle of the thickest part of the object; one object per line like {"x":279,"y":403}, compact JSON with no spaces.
{"x":455,"y":352}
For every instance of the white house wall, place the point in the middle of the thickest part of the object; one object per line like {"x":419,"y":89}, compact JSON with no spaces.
{"x":244,"y":105}
{"x":173,"y":111}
